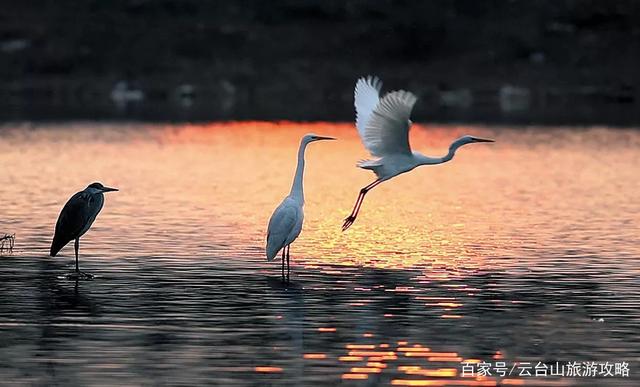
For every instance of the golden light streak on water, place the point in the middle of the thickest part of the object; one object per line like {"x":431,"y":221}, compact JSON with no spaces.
{"x":360,"y":346}
{"x":450,"y":316}
{"x":417,"y":354}
{"x":429,"y":353}
{"x":351,"y":358}
{"x":267,"y":369}
{"x":371,"y":353}
{"x":426,"y":248}
{"x":376,"y":364}
{"x":365,"y":370}
{"x":413,"y":349}
{"x":351,"y":376}
{"x":441,"y":372}
{"x":446,"y":304}
{"x":407,"y":368}
{"x":314,"y":356}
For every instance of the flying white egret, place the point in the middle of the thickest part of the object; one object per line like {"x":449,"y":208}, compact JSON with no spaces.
{"x":383,"y":125}
{"x":75,"y":219}
{"x":286,"y":222}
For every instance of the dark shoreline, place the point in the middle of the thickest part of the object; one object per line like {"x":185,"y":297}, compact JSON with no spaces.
{"x":546,"y":62}
{"x":589,"y":115}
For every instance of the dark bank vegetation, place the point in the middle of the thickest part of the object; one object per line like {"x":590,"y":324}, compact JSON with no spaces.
{"x":293,"y":59}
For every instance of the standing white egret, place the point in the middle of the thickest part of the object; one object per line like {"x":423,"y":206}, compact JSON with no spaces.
{"x":383,"y":125}
{"x":75,"y":219}
{"x":286,"y":222}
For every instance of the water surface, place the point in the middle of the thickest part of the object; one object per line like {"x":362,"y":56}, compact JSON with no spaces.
{"x":525,"y":250}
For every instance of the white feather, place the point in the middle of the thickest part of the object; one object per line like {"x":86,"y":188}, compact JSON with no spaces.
{"x":366,"y":97}
{"x":284,"y":226}
{"x":387,"y":130}
{"x":384,"y":130}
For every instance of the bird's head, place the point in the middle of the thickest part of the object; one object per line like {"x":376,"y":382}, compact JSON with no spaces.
{"x":464,"y":140}
{"x":311,"y":137}
{"x":95,"y":188}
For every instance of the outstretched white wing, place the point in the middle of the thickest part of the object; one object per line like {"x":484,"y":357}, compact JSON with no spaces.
{"x":387,"y":129}
{"x":366,"y":97}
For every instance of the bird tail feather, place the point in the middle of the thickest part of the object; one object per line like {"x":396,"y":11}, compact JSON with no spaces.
{"x":272,"y":249}
{"x":369,"y":164}
{"x":372,"y":165}
{"x":271,"y":253}
{"x":56,"y":246}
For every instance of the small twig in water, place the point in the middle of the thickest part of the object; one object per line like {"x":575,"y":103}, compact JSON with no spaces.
{"x":6,"y":243}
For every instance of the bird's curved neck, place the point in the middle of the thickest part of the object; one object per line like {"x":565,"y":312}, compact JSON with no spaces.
{"x":452,"y":152}
{"x":453,"y":148}
{"x":426,"y":160}
{"x":297,"y":191}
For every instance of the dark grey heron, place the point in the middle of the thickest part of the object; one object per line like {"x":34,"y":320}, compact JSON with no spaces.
{"x":75,"y":219}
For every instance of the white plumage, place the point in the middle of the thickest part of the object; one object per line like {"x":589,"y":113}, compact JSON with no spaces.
{"x":383,"y":126}
{"x":284,"y":226}
{"x":367,"y":95}
{"x":286,"y":221}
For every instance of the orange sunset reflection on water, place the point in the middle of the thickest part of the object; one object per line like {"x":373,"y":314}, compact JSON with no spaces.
{"x":237,"y":173}
{"x":472,"y":260}
{"x":222,"y":181}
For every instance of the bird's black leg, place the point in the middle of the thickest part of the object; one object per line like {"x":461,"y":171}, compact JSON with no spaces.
{"x":78,"y":274}
{"x":77,"y":246}
{"x":283,"y":255}
{"x":349,"y":220}
{"x":288,"y":263}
